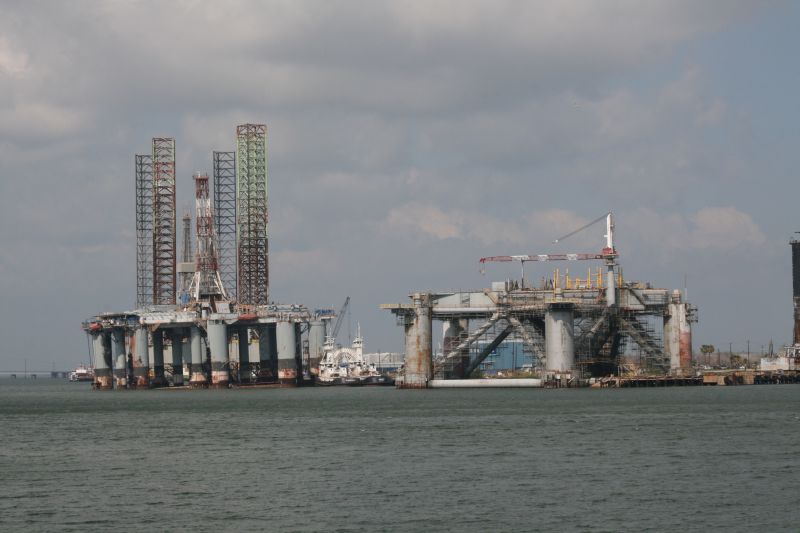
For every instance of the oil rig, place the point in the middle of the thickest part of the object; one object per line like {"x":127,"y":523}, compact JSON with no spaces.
{"x":574,"y":328}
{"x":190,"y":314}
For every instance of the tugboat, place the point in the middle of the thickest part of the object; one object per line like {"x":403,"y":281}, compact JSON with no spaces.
{"x":380,"y":380}
{"x":346,"y":366}
{"x":82,"y":373}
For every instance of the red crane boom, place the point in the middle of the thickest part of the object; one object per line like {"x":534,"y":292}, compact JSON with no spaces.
{"x":541,"y":257}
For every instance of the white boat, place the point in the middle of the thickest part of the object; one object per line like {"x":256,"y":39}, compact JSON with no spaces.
{"x":82,"y":373}
{"x":346,"y":366}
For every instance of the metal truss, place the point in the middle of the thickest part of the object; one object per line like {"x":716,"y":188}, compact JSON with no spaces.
{"x":224,"y":164}
{"x":164,"y":223}
{"x":186,"y":255}
{"x":144,"y":230}
{"x":251,"y":214}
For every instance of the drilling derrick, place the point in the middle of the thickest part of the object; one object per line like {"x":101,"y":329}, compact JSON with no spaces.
{"x":186,"y":256}
{"x":251,"y":214}
{"x":224,"y":164}
{"x":144,"y":230}
{"x":206,"y":285}
{"x":164,"y":231}
{"x":187,"y":237}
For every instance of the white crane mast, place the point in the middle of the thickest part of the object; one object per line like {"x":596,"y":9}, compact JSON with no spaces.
{"x":609,"y":254}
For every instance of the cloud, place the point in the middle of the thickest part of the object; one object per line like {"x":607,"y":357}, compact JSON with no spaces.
{"x":12,"y":62}
{"x":417,"y":221}
{"x":707,"y":230}
{"x":725,"y":228}
{"x":292,"y":266}
{"x":426,"y":221}
{"x":38,"y":121}
{"x":442,"y":58}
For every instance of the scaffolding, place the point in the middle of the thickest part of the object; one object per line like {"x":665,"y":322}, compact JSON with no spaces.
{"x":144,"y":230}
{"x":164,"y":230}
{"x":482,"y":339}
{"x":224,"y":164}
{"x":646,"y":332}
{"x":251,"y":214}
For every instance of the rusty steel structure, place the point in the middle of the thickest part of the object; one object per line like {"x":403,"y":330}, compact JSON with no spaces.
{"x":206,"y":285}
{"x":252,"y":215}
{"x":574,"y":328}
{"x":144,"y":230}
{"x":151,"y":336}
{"x":164,"y":222}
{"x":152,"y":345}
{"x":795,"y":244}
{"x":565,"y":325}
{"x":224,"y":176}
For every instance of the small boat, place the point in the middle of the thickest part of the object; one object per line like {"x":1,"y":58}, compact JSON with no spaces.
{"x":327,"y":381}
{"x":352,"y":382}
{"x":82,"y":373}
{"x":347,"y":366}
{"x":378,"y":381}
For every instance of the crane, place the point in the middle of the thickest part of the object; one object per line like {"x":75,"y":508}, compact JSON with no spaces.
{"x":608,"y":253}
{"x":330,"y":339}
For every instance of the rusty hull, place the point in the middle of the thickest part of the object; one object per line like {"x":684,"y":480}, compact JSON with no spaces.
{"x":287,"y":376}
{"x":103,"y":379}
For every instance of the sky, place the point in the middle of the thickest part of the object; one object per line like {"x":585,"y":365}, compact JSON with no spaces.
{"x":406,"y":140}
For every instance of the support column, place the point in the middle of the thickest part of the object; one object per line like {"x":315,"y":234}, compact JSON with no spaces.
{"x":158,"y":359}
{"x":286,"y":335}
{"x":205,"y":357}
{"x":102,"y":360}
{"x":273,"y":346}
{"x":685,"y":340}
{"x":218,"y":344}
{"x":177,"y":357}
{"x":141,"y":359}
{"x":245,"y":376}
{"x":678,"y":336}
{"x":672,"y":333}
{"x":197,"y":377}
{"x":611,"y":284}
{"x":316,"y":343}
{"x":559,"y":335}
{"x":795,"y":244}
{"x":796,"y":334}
{"x":419,"y":347}
{"x":298,"y":351}
{"x":267,"y":352}
{"x":120,"y":359}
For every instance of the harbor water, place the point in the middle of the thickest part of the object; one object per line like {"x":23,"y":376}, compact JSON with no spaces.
{"x":380,"y":459}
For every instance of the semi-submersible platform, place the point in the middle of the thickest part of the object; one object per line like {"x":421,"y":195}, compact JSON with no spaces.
{"x":575,"y":328}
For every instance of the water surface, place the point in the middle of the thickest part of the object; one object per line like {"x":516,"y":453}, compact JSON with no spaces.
{"x":379,"y":459}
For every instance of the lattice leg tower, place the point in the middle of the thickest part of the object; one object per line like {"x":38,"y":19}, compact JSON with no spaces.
{"x":251,"y":214}
{"x":224,"y":164}
{"x":164,"y":230}
{"x":144,"y":230}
